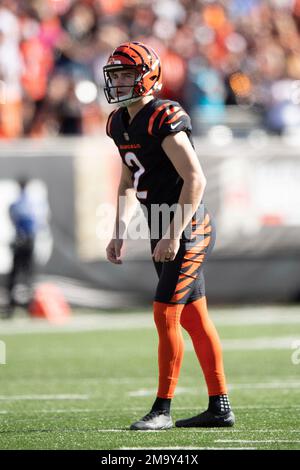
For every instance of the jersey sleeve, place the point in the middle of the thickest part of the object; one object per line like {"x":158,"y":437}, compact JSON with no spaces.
{"x":109,"y":124}
{"x":169,"y":118}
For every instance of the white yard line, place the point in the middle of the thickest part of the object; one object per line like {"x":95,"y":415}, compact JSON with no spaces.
{"x":260,"y":315}
{"x":138,"y":380}
{"x":145,"y":392}
{"x":255,"y":344}
{"x":262,"y":441}
{"x":42,"y":397}
{"x":187,"y":448}
{"x":243,"y":431}
{"x":264,"y":407}
{"x":266,"y":385}
{"x":142,"y":409}
{"x":245,"y":407}
{"x":114,"y":430}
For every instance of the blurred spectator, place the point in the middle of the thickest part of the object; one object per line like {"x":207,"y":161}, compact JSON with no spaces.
{"x":10,"y":72}
{"x":243,"y":53}
{"x":59,"y":112}
{"x":24,"y":219}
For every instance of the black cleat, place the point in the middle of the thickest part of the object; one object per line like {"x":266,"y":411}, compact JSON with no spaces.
{"x":153,"y":421}
{"x":207,"y":419}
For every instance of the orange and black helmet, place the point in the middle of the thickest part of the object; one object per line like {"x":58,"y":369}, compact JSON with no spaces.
{"x":139,"y":58}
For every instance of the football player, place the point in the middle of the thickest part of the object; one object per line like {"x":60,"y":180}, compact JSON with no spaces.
{"x":160,"y":166}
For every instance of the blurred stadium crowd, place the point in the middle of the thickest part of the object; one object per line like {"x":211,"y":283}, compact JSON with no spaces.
{"x":216,"y":55}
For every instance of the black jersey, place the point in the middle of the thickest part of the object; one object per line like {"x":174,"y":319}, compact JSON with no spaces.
{"x":154,"y":177}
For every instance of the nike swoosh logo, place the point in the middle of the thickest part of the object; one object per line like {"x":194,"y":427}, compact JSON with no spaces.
{"x":173,"y":126}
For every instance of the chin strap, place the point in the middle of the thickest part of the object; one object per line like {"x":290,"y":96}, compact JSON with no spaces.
{"x":128,"y":102}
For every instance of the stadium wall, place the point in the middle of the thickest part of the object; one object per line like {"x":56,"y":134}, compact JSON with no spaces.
{"x":253,"y":192}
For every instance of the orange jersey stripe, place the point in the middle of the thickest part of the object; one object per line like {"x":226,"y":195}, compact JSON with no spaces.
{"x":178,"y":114}
{"x":108,"y":125}
{"x":184,"y":282}
{"x":186,"y":264}
{"x":172,"y":110}
{"x":189,"y":256}
{"x":204,"y":222}
{"x":198,"y":248}
{"x":198,"y":259}
{"x":152,"y":118}
{"x":177,"y":297}
{"x":207,"y":219}
{"x":189,"y":272}
{"x":205,"y":242}
{"x":201,"y":230}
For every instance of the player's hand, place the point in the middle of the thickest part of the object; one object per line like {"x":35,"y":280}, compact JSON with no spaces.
{"x":166,"y":250}
{"x":113,"y":251}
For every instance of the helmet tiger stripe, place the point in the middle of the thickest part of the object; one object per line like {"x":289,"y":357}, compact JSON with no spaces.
{"x":144,"y":61}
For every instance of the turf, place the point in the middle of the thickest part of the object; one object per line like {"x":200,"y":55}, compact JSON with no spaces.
{"x":81,"y":390}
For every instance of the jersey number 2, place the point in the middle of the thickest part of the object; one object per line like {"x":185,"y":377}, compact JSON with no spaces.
{"x":132,"y":160}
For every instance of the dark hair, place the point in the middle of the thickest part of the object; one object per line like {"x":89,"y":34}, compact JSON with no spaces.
{"x":22,"y":182}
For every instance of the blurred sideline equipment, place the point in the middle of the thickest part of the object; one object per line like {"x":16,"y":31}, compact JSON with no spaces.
{"x":48,"y":302}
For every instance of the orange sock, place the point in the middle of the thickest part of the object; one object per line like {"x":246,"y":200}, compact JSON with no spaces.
{"x":170,"y":346}
{"x":207,"y":345}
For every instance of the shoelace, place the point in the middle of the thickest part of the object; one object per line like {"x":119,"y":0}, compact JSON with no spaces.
{"x":152,"y":414}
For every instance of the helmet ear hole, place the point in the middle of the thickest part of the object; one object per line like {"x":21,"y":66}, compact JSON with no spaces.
{"x":140,"y":87}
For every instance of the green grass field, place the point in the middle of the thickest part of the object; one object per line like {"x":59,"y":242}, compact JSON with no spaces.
{"x":80,"y":386}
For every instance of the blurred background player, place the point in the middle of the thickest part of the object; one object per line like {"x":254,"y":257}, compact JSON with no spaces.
{"x":159,"y":163}
{"x":24,"y":218}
